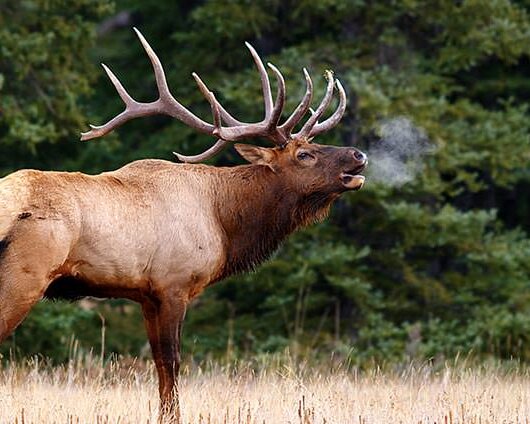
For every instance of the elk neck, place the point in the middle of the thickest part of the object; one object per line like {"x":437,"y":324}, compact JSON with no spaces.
{"x":258,"y":210}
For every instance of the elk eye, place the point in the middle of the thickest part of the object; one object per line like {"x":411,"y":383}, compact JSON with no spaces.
{"x":304,"y":156}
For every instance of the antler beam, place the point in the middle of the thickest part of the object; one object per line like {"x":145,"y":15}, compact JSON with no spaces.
{"x":235,"y":130}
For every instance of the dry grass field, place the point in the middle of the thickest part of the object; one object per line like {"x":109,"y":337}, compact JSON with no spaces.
{"x":84,"y":392}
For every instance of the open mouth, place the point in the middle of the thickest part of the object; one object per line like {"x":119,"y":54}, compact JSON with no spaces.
{"x":351,"y":179}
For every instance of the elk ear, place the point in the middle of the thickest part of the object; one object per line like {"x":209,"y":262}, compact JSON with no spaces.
{"x":256,"y":155}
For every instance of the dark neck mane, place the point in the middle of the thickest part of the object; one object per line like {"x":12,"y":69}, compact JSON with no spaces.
{"x":258,"y":211}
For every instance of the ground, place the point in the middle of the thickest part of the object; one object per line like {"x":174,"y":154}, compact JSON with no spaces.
{"x":125,"y":392}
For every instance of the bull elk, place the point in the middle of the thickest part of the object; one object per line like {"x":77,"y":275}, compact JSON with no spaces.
{"x":158,"y":232}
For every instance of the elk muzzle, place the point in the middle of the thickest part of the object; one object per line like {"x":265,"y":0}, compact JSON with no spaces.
{"x":350,"y":177}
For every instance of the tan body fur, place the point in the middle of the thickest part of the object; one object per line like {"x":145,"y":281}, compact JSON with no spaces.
{"x":153,"y":226}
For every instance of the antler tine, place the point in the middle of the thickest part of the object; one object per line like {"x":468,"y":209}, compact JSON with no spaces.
{"x":216,"y":148}
{"x":268,"y":127}
{"x":308,"y":126}
{"x":215,"y":112}
{"x":265,"y":83}
{"x":98,"y":131}
{"x":301,"y":109}
{"x":126,"y":97}
{"x":160,"y":76}
{"x":230,"y":120}
{"x":334,"y":119}
{"x":172,"y":106}
{"x":217,"y":115}
{"x":277,"y":110}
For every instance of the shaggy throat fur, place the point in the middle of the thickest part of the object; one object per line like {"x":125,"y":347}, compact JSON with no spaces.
{"x":259,"y":235}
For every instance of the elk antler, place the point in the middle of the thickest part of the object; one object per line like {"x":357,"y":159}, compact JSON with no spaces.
{"x":236,"y":130}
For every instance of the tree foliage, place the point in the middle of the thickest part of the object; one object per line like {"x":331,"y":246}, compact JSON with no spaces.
{"x":44,"y":71}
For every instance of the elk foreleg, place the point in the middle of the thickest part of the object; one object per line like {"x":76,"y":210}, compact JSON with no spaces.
{"x":14,"y":306}
{"x":163,"y":320}
{"x":22,"y":284}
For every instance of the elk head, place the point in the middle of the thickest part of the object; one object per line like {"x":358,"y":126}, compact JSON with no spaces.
{"x":324,"y":168}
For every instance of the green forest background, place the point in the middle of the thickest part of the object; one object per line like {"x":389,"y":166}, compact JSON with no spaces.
{"x":430,"y":269}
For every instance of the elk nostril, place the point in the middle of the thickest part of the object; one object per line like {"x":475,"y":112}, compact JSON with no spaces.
{"x":360,"y":156}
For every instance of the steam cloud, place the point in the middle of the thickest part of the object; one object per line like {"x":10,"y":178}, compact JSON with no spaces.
{"x":398,"y":156}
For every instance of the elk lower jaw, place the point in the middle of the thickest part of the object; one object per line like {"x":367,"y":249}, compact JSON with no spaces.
{"x":352,"y":182}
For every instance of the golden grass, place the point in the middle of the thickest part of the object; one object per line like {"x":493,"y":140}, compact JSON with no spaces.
{"x":121,"y":393}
